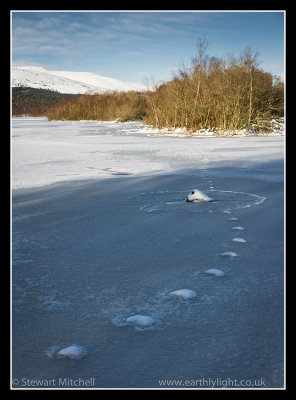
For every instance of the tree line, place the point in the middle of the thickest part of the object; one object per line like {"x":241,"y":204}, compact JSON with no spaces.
{"x":35,"y":101}
{"x":219,"y":94}
{"x":108,"y":106}
{"x":212,"y":93}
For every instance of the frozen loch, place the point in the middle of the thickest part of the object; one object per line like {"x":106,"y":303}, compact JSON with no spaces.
{"x":102,"y":237}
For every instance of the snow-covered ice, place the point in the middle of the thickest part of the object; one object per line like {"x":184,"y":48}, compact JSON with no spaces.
{"x":45,"y":152}
{"x":101,"y":232}
{"x":197,"y":195}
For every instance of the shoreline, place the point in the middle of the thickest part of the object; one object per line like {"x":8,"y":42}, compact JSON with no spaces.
{"x":181,"y":132}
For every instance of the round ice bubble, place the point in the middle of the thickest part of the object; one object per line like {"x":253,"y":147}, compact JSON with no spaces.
{"x":239,"y":240}
{"x":184,"y":293}
{"x":74,"y":352}
{"x":141,"y":321}
{"x":215,"y":272}
{"x":229,"y":254}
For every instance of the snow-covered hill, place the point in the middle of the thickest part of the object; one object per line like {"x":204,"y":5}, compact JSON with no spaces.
{"x":68,"y":81}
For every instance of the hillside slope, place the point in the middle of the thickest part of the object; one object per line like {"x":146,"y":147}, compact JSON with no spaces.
{"x":68,"y":81}
{"x":35,"y":102}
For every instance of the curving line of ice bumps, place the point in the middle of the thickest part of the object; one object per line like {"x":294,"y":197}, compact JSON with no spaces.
{"x":144,"y":322}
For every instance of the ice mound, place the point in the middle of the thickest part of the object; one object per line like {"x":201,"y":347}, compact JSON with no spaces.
{"x":215,"y":272}
{"x":239,"y":240}
{"x":140,"y":321}
{"x":184,"y":293}
{"x":197,"y":195}
{"x":229,"y":254}
{"x":74,"y":352}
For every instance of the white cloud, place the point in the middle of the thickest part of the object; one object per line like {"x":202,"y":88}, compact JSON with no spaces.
{"x":62,"y":34}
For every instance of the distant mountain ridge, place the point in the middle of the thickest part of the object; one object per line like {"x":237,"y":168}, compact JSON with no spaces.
{"x":68,"y":81}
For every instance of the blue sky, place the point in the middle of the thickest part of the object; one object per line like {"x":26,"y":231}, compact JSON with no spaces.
{"x":135,"y":46}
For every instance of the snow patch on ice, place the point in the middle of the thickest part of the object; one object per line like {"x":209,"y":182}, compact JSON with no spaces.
{"x":197,"y":195}
{"x":45,"y":152}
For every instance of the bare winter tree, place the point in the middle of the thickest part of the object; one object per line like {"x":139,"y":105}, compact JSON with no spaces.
{"x":249,"y":60}
{"x":198,"y":65}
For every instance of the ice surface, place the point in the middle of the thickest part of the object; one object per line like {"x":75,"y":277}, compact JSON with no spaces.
{"x":173,"y":201}
{"x":44,"y":152}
